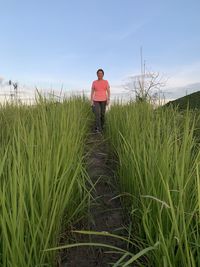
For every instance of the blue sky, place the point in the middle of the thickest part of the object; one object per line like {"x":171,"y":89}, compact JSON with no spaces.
{"x":50,"y":43}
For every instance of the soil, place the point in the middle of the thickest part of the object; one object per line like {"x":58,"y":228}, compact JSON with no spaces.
{"x":105,"y":212}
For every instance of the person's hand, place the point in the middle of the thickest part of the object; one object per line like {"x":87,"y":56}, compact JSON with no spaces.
{"x":108,"y":102}
{"x":91,"y":102}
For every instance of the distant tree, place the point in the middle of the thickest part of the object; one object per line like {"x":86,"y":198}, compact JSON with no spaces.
{"x":145,"y":86}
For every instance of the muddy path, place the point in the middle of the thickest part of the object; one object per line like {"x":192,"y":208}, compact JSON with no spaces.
{"x":105,"y":212}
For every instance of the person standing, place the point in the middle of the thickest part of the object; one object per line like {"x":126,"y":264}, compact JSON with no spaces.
{"x":100,"y":98}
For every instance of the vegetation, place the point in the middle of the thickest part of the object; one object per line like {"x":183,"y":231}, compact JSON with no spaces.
{"x":192,"y":101}
{"x":42,"y":177}
{"x":159,"y":177}
{"x":43,"y":180}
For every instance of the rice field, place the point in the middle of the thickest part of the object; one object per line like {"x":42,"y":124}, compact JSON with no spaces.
{"x":159,"y":179}
{"x":42,"y":177}
{"x":43,"y":180}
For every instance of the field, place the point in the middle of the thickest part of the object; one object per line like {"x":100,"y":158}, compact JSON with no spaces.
{"x":42,"y":183}
{"x":45,"y":185}
{"x":159,"y":179}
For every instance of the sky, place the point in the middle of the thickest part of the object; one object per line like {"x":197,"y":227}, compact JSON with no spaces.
{"x":54,"y":44}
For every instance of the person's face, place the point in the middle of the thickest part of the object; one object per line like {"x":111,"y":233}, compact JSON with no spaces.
{"x":100,"y":75}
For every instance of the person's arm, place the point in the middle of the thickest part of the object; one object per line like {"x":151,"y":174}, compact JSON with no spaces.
{"x":92,"y":93}
{"x":108,"y":94}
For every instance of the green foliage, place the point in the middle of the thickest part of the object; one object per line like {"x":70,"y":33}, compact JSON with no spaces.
{"x":42,"y":177}
{"x":192,"y":101}
{"x":158,"y":172}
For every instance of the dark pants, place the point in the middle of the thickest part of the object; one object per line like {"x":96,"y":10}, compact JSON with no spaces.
{"x":99,"y":110}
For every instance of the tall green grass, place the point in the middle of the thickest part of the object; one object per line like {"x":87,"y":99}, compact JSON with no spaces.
{"x":42,"y":177}
{"x":159,"y":176}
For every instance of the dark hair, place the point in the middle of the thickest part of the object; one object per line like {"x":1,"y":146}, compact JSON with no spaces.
{"x":100,"y":70}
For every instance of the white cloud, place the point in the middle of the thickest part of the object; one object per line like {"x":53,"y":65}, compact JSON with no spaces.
{"x":182,"y":80}
{"x":1,"y":79}
{"x":183,"y":75}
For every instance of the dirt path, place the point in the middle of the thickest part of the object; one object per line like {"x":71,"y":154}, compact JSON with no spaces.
{"x":105,"y":212}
